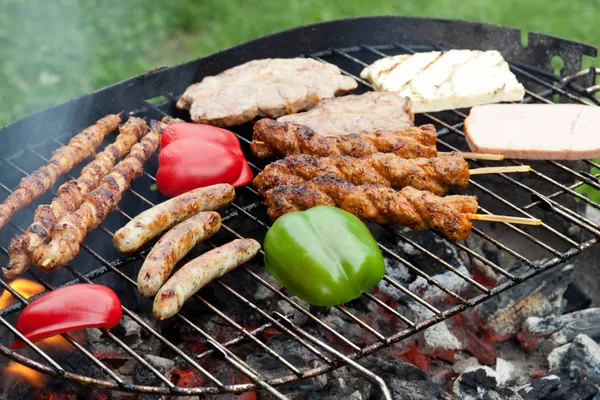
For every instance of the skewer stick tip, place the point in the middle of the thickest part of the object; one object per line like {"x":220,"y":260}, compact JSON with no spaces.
{"x":507,"y":219}
{"x":478,"y":156}
{"x":498,"y":170}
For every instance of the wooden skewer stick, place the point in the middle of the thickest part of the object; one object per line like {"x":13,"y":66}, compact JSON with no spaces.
{"x":497,"y":170}
{"x":478,"y":156}
{"x":503,"y":218}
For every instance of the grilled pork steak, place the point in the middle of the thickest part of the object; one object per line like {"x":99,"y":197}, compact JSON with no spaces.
{"x":535,"y":131}
{"x":368,"y":112}
{"x":270,"y":88}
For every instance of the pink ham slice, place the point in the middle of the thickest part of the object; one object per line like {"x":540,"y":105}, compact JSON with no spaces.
{"x":535,"y":131}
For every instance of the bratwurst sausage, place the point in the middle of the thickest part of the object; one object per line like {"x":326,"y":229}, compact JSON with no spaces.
{"x":172,"y":247}
{"x":165,"y":215}
{"x":199,"y":272}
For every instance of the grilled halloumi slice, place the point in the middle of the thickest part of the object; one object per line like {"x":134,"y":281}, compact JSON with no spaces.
{"x":438,"y":81}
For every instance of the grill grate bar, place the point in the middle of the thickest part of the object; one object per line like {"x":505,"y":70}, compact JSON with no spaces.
{"x":371,"y":376}
{"x":502,"y":246}
{"x":484,"y":260}
{"x":431,"y":280}
{"x":361,"y":323}
{"x":559,"y":192}
{"x":389,"y":309}
{"x":235,"y":360}
{"x":417,"y":298}
{"x":438,"y":260}
{"x":248,"y":335}
{"x":273,"y":321}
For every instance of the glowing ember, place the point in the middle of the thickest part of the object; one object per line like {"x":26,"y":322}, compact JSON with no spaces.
{"x":24,"y":287}
{"x":22,"y":373}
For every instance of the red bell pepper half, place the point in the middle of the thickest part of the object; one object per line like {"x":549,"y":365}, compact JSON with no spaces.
{"x":195,"y":155}
{"x":68,"y":309}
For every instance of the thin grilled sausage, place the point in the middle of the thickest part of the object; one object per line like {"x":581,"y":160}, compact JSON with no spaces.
{"x":199,"y":272}
{"x":172,"y":247}
{"x":165,"y":215}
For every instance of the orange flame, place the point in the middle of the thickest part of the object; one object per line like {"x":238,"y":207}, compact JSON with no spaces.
{"x":24,"y":287}
{"x":22,"y":373}
{"x":60,"y":343}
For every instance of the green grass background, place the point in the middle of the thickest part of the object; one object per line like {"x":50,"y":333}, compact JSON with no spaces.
{"x":53,"y":50}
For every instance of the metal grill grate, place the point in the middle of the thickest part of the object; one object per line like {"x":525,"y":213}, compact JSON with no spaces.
{"x":549,"y":192}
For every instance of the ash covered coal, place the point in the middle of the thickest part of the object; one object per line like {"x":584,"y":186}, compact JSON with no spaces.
{"x":501,"y":317}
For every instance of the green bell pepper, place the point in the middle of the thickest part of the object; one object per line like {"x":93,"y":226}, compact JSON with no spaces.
{"x":325,"y":256}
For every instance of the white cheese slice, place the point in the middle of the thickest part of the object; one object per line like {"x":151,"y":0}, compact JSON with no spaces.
{"x":438,"y":81}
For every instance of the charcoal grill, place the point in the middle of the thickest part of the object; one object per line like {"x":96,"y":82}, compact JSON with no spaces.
{"x":549,"y":191}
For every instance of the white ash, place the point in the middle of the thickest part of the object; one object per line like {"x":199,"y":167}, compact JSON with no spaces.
{"x":438,"y":337}
{"x":557,"y":330}
{"x":504,"y":371}
{"x":449,"y":279}
{"x":165,"y":364}
{"x":131,"y":327}
{"x":581,"y":358}
{"x":461,"y":366}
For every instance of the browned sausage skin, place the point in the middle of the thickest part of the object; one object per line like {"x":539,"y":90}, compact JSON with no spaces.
{"x":172,"y":247}
{"x":199,"y":272}
{"x":165,"y":215}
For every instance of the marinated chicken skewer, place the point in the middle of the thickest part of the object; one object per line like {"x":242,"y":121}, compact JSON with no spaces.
{"x":69,"y":197}
{"x":80,"y":147}
{"x":415,"y":209}
{"x":436,"y":174}
{"x":276,"y":139}
{"x":72,"y":228}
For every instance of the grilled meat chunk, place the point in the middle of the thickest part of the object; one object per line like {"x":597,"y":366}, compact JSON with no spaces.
{"x":80,"y":147}
{"x":70,"y":196}
{"x":409,"y":207}
{"x":277,"y":139}
{"x":367,"y":112}
{"x":437,"y":81}
{"x":436,"y":175}
{"x":535,"y":131}
{"x":268,"y":88}
{"x":71,"y":229}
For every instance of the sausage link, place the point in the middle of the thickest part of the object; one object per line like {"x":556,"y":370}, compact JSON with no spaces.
{"x":165,"y":215}
{"x":199,"y":272}
{"x":172,"y":247}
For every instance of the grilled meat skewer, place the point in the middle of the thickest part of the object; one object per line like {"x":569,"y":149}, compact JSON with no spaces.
{"x":279,"y":139}
{"x":71,"y":229}
{"x":70,"y":196}
{"x":80,"y":147}
{"x":409,"y":207}
{"x":436,"y":175}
